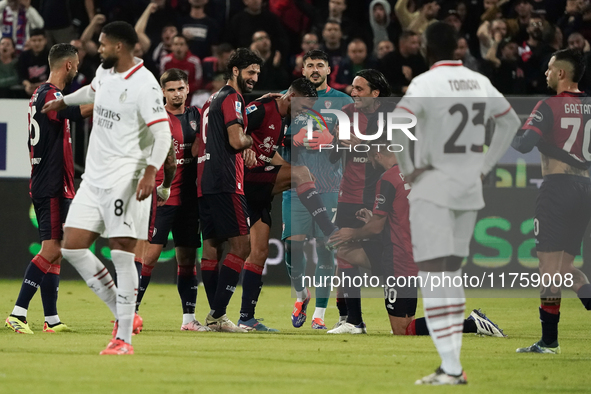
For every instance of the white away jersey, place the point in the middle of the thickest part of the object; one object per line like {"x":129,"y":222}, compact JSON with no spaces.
{"x":125,"y":104}
{"x":452,"y":105}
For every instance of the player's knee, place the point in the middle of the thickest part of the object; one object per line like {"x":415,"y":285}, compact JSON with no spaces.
{"x":300,"y":174}
{"x":258,"y":256}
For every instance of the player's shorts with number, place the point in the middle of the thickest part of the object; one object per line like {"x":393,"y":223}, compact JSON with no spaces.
{"x":258,"y":189}
{"x":563,"y":210}
{"x":298,"y":221}
{"x":401,"y":301}
{"x":51,"y":214}
{"x":439,"y":231}
{"x":113,"y":212}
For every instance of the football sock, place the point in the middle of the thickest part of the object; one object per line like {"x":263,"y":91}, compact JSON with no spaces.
{"x":209,"y":276}
{"x":584,"y":295}
{"x":319,"y":313}
{"x":550,"y":316}
{"x":443,"y":306}
{"x":296,"y":264}
{"x":188,"y":318}
{"x":341,"y":303}
{"x":310,"y":198}
{"x":419,"y":327}
{"x":187,"y":287}
{"x":229,"y":277}
{"x":251,"y":289}
{"x":95,"y":274}
{"x":49,"y":289}
{"x":139,"y":264}
{"x":52,"y":321}
{"x":127,"y":281}
{"x":33,"y":278}
{"x":351,"y":293}
{"x":324,"y":272}
{"x":145,"y":277}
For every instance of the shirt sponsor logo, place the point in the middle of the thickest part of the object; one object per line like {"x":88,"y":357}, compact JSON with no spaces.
{"x":380,"y":199}
{"x":156,"y":110}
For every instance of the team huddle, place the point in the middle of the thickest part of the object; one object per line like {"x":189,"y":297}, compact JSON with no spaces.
{"x":155,"y":165}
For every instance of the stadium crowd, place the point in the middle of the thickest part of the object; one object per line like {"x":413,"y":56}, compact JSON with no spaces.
{"x":509,"y":41}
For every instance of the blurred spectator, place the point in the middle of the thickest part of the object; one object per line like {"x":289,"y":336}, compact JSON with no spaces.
{"x":517,"y":28}
{"x":572,"y":20}
{"x":450,"y":16}
{"x":163,"y":15}
{"x":532,"y":45}
{"x":91,"y":34}
{"x":419,"y":20}
{"x":214,"y":65}
{"x":383,"y":48}
{"x":201,"y":96}
{"x":463,"y":53}
{"x":254,"y":18}
{"x":33,"y":66}
{"x":86,"y":68}
{"x":336,"y":12}
{"x":224,"y":10}
{"x":18,"y":20}
{"x":309,"y":42}
{"x":405,"y":63}
{"x":57,"y":16}
{"x":202,"y":31}
{"x":577,"y":41}
{"x":356,"y":60}
{"x":272,"y":75}
{"x":490,"y":31}
{"x":379,"y":19}
{"x":537,"y":65}
{"x":116,"y":10}
{"x":183,"y":59}
{"x":333,"y":44}
{"x":492,"y":10}
{"x":296,"y":17}
{"x":506,"y":72}
{"x":8,"y":67}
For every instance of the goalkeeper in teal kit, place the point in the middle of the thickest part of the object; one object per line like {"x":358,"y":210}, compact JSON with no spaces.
{"x":298,"y":224}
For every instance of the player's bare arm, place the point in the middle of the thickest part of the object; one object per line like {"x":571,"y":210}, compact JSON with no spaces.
{"x":163,"y":190}
{"x":146,"y":185}
{"x":86,"y":110}
{"x":374,"y":226}
{"x":54,"y":105}
{"x":250,"y":158}
{"x":238,"y":139}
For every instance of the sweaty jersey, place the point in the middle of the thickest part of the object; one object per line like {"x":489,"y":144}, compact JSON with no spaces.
{"x":452,"y":105}
{"x":266,"y":129}
{"x":50,"y":146}
{"x":125,"y":105}
{"x":391,"y":200}
{"x":220,"y":168}
{"x":562,"y":121}
{"x":328,"y":175}
{"x":360,"y":177}
{"x":184,"y":129}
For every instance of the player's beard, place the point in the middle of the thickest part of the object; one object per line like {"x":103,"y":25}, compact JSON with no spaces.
{"x":70,"y":77}
{"x":109,"y":62}
{"x":244,"y":88}
{"x":320,"y":81}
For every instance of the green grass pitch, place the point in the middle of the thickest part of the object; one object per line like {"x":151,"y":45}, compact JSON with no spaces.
{"x":300,"y":360}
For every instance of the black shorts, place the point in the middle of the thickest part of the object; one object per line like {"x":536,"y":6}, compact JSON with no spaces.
{"x":401,"y":301}
{"x":258,"y":189}
{"x":372,"y":246}
{"x":51,"y":215}
{"x":563,"y":210}
{"x":223,"y":216}
{"x":183,"y":220}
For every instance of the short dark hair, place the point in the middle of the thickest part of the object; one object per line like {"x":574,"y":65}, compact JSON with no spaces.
{"x":315,"y":54}
{"x":224,"y":47}
{"x":37,"y":32}
{"x":183,"y":37}
{"x":121,"y":31}
{"x":172,"y":75}
{"x":242,"y":58}
{"x":59,"y":52}
{"x":442,"y":41}
{"x":331,"y":21}
{"x":407,"y":34}
{"x":376,"y":81}
{"x":575,"y":58}
{"x":304,"y":87}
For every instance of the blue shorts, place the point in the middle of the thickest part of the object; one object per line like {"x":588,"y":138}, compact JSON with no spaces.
{"x":298,"y":221}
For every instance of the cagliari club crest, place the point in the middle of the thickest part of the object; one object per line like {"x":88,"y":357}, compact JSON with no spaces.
{"x":193,"y":125}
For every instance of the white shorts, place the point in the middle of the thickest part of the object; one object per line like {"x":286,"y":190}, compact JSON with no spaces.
{"x":438,"y":231}
{"x":111,"y":212}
